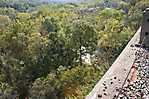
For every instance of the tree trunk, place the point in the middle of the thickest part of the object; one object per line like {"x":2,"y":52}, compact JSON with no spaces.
{"x":80,"y":52}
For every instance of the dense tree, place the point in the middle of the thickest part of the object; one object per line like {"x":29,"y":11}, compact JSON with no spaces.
{"x":82,"y":37}
{"x":4,"y":22}
{"x":21,"y":46}
{"x":8,"y":12}
{"x":66,"y":84}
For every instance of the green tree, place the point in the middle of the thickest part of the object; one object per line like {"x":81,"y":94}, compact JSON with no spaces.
{"x":4,"y":22}
{"x":20,"y":67}
{"x":82,"y":37}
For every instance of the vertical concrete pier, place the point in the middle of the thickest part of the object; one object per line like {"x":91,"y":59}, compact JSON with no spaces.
{"x":144,"y":38}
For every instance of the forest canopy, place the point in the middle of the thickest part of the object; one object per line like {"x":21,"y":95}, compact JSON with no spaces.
{"x":60,"y":50}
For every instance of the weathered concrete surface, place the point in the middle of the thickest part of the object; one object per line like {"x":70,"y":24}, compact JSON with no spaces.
{"x":137,"y":84}
{"x":115,"y":77}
